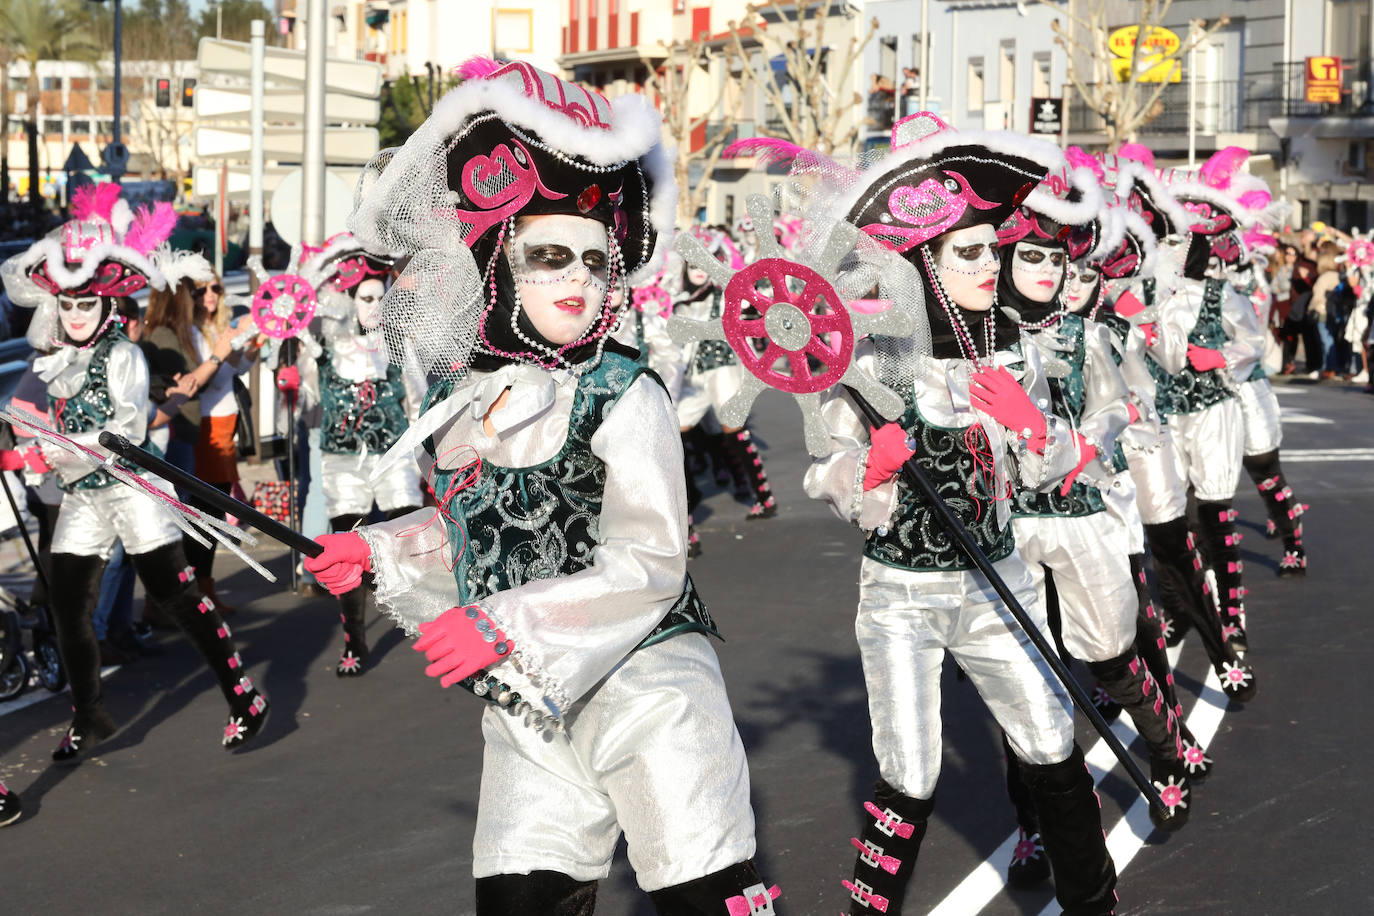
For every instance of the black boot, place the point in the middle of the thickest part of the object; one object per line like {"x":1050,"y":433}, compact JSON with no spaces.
{"x":1150,"y":645}
{"x":887,"y":850}
{"x":737,"y":889}
{"x":1217,"y":527}
{"x":353,"y":613}
{"x":10,"y":808}
{"x":1178,"y":568}
{"x":167,"y":578}
{"x":548,"y":892}
{"x":1130,"y":683}
{"x":1283,"y":510}
{"x":742,"y":448}
{"x":694,"y":450}
{"x":1029,"y":867}
{"x":1070,"y":819}
{"x":75,"y":588}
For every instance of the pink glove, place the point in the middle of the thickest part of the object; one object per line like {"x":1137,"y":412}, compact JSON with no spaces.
{"x":1128,"y":304}
{"x":289,"y":379}
{"x":1151,"y":332}
{"x":11,"y":460}
{"x":1086,"y":453}
{"x":996,"y":393}
{"x":459,"y":642}
{"x":36,"y":460}
{"x":341,"y":566}
{"x":1132,"y":413}
{"x":1203,"y":359}
{"x":887,"y":452}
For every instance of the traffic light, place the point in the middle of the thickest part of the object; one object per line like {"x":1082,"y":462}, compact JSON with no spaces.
{"x":188,"y":92}
{"x":164,"y":93}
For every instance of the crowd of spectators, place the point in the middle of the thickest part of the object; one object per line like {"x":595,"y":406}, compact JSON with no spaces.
{"x":1321,"y":315}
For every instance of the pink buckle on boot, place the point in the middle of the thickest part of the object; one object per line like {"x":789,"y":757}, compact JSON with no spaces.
{"x":889,"y":822}
{"x":864,"y":894}
{"x":244,"y":685}
{"x":187,"y":574}
{"x":756,"y":900}
{"x":873,"y":856}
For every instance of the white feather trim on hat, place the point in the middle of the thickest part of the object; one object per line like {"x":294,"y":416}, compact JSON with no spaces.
{"x":1189,"y":186}
{"x":1043,"y":200}
{"x":178,"y":264}
{"x":635,"y":133}
{"x":1132,"y":175}
{"x":50,"y":249}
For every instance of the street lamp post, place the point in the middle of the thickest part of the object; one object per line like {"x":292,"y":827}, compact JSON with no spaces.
{"x":115,"y":157}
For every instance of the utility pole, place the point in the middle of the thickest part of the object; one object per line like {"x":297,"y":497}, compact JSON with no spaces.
{"x":312,"y":159}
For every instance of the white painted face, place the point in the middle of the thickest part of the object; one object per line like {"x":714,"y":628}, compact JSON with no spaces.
{"x":696,"y":276}
{"x":560,"y":264}
{"x":80,"y":316}
{"x":367,"y":299}
{"x":1079,"y":281}
{"x":968,"y":267}
{"x":1037,"y":272}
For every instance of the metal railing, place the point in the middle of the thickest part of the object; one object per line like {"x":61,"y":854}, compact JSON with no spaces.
{"x":1243,"y":105}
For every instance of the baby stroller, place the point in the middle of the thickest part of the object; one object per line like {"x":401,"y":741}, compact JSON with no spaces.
{"x":16,"y":616}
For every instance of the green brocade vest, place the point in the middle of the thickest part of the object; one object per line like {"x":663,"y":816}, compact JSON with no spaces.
{"x":356,"y":415}
{"x":517,"y":525}
{"x":1066,"y":401}
{"x":915,"y":539}
{"x":90,"y":409}
{"x":1191,"y":391}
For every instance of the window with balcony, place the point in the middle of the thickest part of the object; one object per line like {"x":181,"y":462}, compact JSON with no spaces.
{"x":1040,"y":77}
{"x":975,"y":84}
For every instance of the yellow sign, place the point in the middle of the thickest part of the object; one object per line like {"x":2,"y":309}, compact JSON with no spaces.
{"x":1152,"y":66}
{"x":1160,"y":42}
{"x":1152,"y":70}
{"x":1324,"y":80}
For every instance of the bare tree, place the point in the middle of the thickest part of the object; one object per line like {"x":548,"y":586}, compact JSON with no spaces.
{"x":685,"y":66}
{"x":807,"y":96}
{"x":1125,"y":106}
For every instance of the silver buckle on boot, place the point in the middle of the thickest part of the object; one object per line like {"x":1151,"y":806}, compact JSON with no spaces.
{"x":871,"y":854}
{"x":759,"y":900}
{"x":889,"y":823}
{"x":861,"y":892}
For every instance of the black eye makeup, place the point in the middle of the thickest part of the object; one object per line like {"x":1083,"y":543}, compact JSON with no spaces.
{"x":84,"y":305}
{"x":970,"y":252}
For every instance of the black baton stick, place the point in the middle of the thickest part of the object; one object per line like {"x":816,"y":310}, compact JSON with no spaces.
{"x":222,"y":501}
{"x":917,"y":478}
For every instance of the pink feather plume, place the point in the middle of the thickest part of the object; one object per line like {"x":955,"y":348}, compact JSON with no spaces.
{"x":477,"y":67}
{"x":1139,"y":152}
{"x":771,"y":150}
{"x":1223,"y":164}
{"x":1255,"y":200}
{"x":151,"y":227}
{"x":95,"y":201}
{"x":1078,"y":158}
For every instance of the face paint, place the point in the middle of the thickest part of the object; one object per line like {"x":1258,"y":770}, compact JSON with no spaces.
{"x":367,"y":299}
{"x":80,"y":316}
{"x":967,"y":267}
{"x":560,"y":265}
{"x":1037,"y":272}
{"x":1079,"y":281}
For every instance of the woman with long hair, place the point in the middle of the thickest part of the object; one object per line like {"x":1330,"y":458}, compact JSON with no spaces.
{"x":190,"y":324}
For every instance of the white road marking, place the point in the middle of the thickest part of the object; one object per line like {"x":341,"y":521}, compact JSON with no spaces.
{"x":1300,"y":417}
{"x":38,"y":693}
{"x":1125,"y":838}
{"x":1294,"y":455}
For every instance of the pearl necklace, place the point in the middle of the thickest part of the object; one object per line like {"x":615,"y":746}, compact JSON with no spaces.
{"x":962,"y":335}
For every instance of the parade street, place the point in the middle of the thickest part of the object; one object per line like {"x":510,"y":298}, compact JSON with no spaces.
{"x":360,"y":795}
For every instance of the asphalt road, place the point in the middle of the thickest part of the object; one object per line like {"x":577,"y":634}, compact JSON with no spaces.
{"x":360,"y":795}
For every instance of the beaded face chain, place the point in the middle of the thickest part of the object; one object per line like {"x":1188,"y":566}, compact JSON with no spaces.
{"x":962,"y":334}
{"x":552,"y":358}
